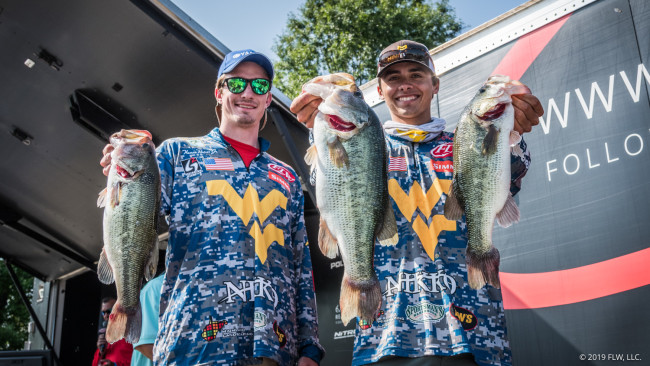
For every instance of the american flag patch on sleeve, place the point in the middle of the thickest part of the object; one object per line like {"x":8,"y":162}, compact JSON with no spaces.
{"x":397,"y":164}
{"x":218,"y":164}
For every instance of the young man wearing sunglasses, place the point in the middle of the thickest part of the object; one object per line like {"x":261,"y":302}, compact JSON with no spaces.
{"x":429,"y":314}
{"x":238,"y":287}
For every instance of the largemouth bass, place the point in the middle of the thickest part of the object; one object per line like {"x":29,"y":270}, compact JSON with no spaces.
{"x":481,"y":183}
{"x":349,"y":156}
{"x":131,"y":201}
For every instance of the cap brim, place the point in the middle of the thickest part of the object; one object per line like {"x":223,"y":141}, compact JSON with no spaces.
{"x":257,"y":58}
{"x":404,"y":60}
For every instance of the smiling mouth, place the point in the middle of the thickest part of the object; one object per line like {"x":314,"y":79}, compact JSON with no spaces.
{"x":245,"y":106}
{"x":338,"y":124}
{"x":407,"y":99}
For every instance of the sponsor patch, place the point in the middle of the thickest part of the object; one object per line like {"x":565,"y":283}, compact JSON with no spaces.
{"x":383,"y":319}
{"x":278,"y":179}
{"x":424,"y":312}
{"x":443,"y":151}
{"x":249,"y":290}
{"x":466,"y":318}
{"x":260,"y":320}
{"x":282,"y":171}
{"x":210,"y":331}
{"x":364,"y":324}
{"x":442,"y":166}
{"x":420,"y":281}
{"x":282,"y":338}
{"x":344,"y":334}
{"x":191,"y":165}
{"x":397,"y":164}
{"x":234,"y":332}
{"x":218,"y":164}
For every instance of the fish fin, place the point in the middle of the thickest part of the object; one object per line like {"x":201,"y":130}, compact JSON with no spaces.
{"x":124,"y":323}
{"x":514,"y":138}
{"x":152,"y":263}
{"x":490,"y":141}
{"x":509,"y":214}
{"x":483,"y":268}
{"x":338,"y":155}
{"x":326,"y":241}
{"x":104,"y":269}
{"x":453,"y":208}
{"x":388,"y":231}
{"x":101,"y":199}
{"x":311,"y":156}
{"x":361,"y":300}
{"x":111,"y":196}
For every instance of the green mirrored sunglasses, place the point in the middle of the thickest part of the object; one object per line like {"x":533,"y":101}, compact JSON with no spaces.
{"x":237,"y":85}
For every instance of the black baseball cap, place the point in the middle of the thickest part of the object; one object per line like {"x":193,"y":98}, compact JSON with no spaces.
{"x":403,"y":51}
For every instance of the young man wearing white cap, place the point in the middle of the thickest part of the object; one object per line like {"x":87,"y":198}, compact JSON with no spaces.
{"x":238,"y":287}
{"x":429,"y":314}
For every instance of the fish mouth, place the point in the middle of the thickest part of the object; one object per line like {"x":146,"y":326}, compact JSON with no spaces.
{"x":126,"y":174}
{"x":339,"y":124}
{"x":494,"y":113}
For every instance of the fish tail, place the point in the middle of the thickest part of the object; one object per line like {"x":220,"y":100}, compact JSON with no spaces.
{"x":124,"y":323}
{"x":362,"y":299}
{"x":483,"y":268}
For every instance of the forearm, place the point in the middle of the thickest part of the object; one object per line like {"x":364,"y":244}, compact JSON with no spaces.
{"x":146,"y":350}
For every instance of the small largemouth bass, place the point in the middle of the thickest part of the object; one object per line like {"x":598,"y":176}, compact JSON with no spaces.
{"x":131,"y":202}
{"x":349,"y":156}
{"x":481,"y":184}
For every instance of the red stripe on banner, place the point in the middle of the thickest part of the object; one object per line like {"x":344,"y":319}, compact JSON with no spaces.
{"x":569,"y":286}
{"x":526,"y":49}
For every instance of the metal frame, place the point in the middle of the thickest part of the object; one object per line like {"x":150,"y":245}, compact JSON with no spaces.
{"x":31,"y":311}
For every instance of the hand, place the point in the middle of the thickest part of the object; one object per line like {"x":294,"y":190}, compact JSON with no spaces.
{"x":305,"y":107}
{"x":106,"y":159}
{"x":306,"y":361}
{"x":142,"y":136}
{"x":106,"y":363}
{"x":528,"y":109}
{"x":101,"y":340}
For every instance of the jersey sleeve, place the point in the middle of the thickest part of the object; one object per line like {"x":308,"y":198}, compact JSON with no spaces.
{"x":306,"y":316}
{"x":165,"y":158}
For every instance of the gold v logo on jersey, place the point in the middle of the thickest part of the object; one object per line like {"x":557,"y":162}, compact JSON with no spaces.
{"x":250,"y":203}
{"x":425,"y":202}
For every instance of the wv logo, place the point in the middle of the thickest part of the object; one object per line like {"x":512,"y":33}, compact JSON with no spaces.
{"x":245,"y":206}
{"x":425,"y":201}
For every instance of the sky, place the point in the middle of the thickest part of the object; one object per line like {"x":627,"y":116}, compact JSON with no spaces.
{"x":256,"y":24}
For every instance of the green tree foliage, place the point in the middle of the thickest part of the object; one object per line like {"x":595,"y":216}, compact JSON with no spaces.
{"x":328,"y":36}
{"x":13,"y":314}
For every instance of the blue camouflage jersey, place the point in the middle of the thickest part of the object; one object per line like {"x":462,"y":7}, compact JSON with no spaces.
{"x":428,"y":308}
{"x":238,"y":285}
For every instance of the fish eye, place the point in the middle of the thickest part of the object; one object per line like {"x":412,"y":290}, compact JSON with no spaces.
{"x":145,"y":145}
{"x":482,"y":90}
